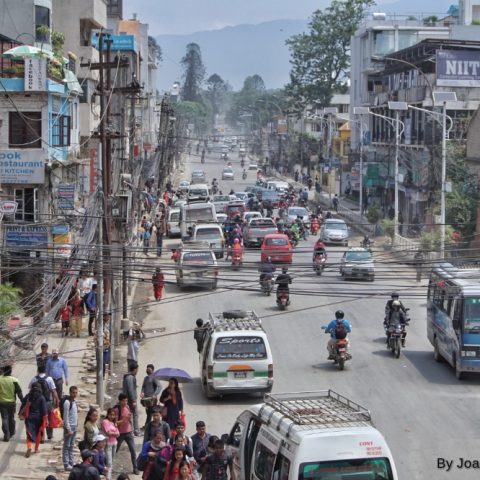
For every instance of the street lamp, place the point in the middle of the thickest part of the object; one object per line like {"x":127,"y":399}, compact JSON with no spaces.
{"x":361,"y":111}
{"x":397,"y":107}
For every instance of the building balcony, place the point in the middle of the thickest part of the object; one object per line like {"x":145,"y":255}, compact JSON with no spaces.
{"x":17,"y":84}
{"x":92,"y":10}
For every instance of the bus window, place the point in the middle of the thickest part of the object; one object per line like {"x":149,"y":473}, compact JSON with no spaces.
{"x":439,"y":297}
{"x":472,"y":313}
{"x":449,"y":306}
{"x":457,"y":310}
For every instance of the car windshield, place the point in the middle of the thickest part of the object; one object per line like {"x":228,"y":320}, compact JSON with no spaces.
{"x":336,"y":226}
{"x":262,"y":223}
{"x":195,"y":214}
{"x":241,"y":195}
{"x":356,"y":469}
{"x":208,"y":233}
{"x":297,"y":211}
{"x":276,"y":242}
{"x":197,"y":192}
{"x":357,"y":256}
{"x":229,"y":348}
{"x":221,"y":198}
{"x":197,"y":258}
{"x":174,"y":217}
{"x":227,"y":170}
{"x":471,"y":313}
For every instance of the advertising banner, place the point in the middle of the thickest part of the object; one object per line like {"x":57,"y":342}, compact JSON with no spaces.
{"x":21,"y":167}
{"x":458,"y":68}
{"x":66,"y":196}
{"x":35,"y":74}
{"x":26,"y":235}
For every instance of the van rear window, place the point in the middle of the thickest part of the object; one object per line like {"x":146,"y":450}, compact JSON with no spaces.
{"x":355,"y":469}
{"x":197,"y":258}
{"x":234,"y":348}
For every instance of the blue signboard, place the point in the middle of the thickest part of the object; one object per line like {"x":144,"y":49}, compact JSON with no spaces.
{"x":60,"y":229}
{"x":26,"y":235}
{"x":66,"y":196}
{"x":119,"y":42}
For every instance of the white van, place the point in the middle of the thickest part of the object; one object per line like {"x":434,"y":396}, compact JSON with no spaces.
{"x":198,"y":192}
{"x":278,"y":186}
{"x":235,"y":355}
{"x":212,"y":234}
{"x":308,"y":436}
{"x":194,"y":213}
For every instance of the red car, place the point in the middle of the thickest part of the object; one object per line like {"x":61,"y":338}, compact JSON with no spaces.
{"x":278,"y":247}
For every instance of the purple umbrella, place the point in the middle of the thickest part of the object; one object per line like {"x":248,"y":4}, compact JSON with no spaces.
{"x":181,"y":375}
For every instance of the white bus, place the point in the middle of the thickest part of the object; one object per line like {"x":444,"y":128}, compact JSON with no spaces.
{"x":194,"y":213}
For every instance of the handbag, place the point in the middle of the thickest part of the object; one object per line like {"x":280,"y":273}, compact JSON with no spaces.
{"x":55,"y":420}
{"x":24,"y":411}
{"x":148,"y":402}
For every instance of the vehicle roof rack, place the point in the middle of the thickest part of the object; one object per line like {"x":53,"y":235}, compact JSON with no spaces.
{"x":235,"y":320}
{"x":195,"y":245}
{"x":320,"y":409}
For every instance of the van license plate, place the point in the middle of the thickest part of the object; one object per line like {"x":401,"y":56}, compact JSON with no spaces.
{"x":240,"y":374}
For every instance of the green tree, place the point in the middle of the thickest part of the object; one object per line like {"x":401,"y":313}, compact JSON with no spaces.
{"x":196,"y":113}
{"x":10,"y":297}
{"x":155,"y":48}
{"x":320,"y":59}
{"x":216,"y":91}
{"x":193,"y":74}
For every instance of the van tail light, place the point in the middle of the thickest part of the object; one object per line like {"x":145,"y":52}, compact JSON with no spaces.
{"x":210,"y":372}
{"x":270,"y":370}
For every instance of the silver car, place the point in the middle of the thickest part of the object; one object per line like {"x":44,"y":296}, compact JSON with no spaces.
{"x":227,"y":174}
{"x":335,"y":231}
{"x":357,"y":262}
{"x":294,"y":212}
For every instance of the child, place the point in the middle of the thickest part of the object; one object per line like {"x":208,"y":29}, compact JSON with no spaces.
{"x":65,"y":312}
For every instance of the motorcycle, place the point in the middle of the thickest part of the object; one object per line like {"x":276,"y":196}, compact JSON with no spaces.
{"x":283,"y":299}
{"x":367,"y":244}
{"x":319,"y":262}
{"x":314,"y":227}
{"x":267,"y":283}
{"x":341,"y":354}
{"x":244,"y":175}
{"x":242,"y":162}
{"x":395,"y":338}
{"x":237,"y":260}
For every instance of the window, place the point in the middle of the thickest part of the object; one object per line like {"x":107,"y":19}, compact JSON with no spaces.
{"x":228,"y":348}
{"x":28,"y":208}
{"x":42,"y":19}
{"x":115,"y":8}
{"x":264,"y":462}
{"x":282,"y":468}
{"x":60,"y":130}
{"x":25,"y":130}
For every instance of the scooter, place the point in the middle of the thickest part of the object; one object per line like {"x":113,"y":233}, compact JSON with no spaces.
{"x":319,"y":262}
{"x":244,"y":175}
{"x":237,"y":260}
{"x":341,"y":354}
{"x":283,"y":299}
{"x":267,"y":283}
{"x":395,"y":338}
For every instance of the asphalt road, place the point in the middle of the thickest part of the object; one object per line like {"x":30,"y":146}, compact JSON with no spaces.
{"x":422,"y":410}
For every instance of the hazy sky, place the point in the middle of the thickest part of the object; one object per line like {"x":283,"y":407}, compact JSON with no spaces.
{"x":188,"y":16}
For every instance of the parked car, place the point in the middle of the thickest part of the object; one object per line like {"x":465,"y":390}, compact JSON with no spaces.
{"x":334,"y":231}
{"x":228,"y":174}
{"x":293,"y":212}
{"x":257,"y":229}
{"x":173,"y":222}
{"x":278,"y":247}
{"x":199,"y":176}
{"x":197,"y":267}
{"x":253,"y":165}
{"x":357,"y":262}
{"x":221,"y":201}
{"x":212,"y":234}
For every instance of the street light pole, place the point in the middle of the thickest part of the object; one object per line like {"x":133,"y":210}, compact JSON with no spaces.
{"x":397,"y":144}
{"x":444,"y":179}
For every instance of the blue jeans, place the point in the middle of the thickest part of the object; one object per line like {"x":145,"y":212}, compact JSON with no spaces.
{"x":68,"y":444}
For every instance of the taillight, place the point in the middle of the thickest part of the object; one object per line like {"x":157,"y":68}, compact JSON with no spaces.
{"x":270,"y":370}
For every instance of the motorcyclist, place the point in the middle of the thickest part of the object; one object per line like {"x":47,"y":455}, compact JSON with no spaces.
{"x":283,"y":281}
{"x":389,"y":307}
{"x":337,"y":328}
{"x":366,"y":242}
{"x":397,"y":316}
{"x":295,"y":230}
{"x":244,"y":174}
{"x":314,"y":224}
{"x":319,"y":249}
{"x":266,"y":269}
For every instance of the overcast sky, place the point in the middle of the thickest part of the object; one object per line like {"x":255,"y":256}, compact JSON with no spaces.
{"x":188,"y":16}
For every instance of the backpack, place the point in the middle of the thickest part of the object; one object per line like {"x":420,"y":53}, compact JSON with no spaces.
{"x":42,"y":381}
{"x":340,"y":331}
{"x":62,"y":402}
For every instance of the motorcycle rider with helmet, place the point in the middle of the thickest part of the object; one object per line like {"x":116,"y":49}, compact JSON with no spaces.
{"x":266,"y":269}
{"x":389,"y":307}
{"x":397,"y":316}
{"x":334,"y":328}
{"x":283,"y":281}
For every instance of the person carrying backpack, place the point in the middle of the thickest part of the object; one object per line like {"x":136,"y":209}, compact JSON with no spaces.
{"x":85,"y":470}
{"x":49,"y":392}
{"x":69,"y":412}
{"x":338,"y":330}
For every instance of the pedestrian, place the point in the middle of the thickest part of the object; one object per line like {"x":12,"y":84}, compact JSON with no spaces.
{"x":419,"y":258}
{"x":217,"y":463}
{"x":43,"y":356}
{"x":160,"y":228}
{"x":400,"y":221}
{"x":125,"y":428}
{"x":146,"y":240}
{"x":179,"y":439}
{"x":49,"y":392}
{"x":34,"y":412}
{"x":70,"y":425}
{"x":85,"y":470}
{"x":158,"y":282}
{"x":109,"y":426}
{"x":335,"y":203}
{"x":9,"y":390}
{"x":310,"y":183}
{"x":78,"y":310}
{"x":57,"y":369}
{"x":65,"y":314}
{"x":199,"y":334}
{"x":135,"y":334}
{"x":85,"y":284}
{"x":90,"y":428}
{"x":157,"y":423}
{"x":129,"y":388}
{"x":185,"y":472}
{"x":154,"y":457}
{"x":172,"y":470}
{"x":91,"y":304}
{"x":151,"y":388}
{"x":296,"y":176}
{"x":200,"y":441}
{"x":172,"y":399}
{"x":98,"y":450}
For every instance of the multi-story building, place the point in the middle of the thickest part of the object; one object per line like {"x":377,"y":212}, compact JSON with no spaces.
{"x":39,"y":139}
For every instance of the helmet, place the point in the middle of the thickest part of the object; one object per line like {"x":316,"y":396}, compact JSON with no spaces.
{"x":395,"y":295}
{"x":339,"y":314}
{"x":284,"y":270}
{"x":396,"y":303}
{"x":269,"y":259}
{"x":236,"y":240}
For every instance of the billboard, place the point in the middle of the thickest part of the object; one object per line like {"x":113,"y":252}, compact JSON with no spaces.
{"x":35,"y":74}
{"x":26,"y":236}
{"x":66,"y":196}
{"x":22,"y":167}
{"x":118,"y":42}
{"x":458,"y":68}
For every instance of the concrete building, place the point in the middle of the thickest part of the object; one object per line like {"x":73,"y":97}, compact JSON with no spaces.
{"x":469,"y":11}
